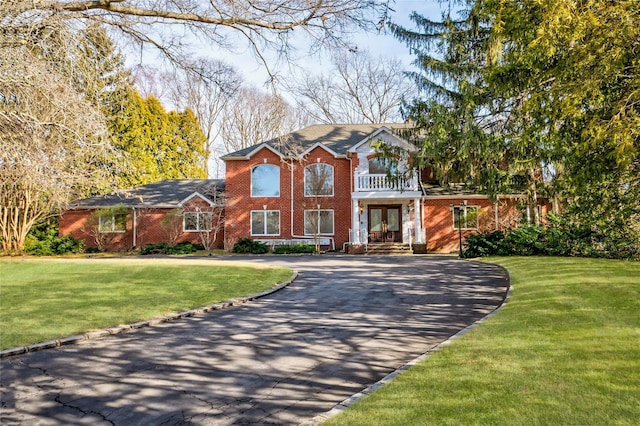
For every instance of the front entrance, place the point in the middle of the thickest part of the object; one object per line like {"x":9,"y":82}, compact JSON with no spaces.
{"x":385,"y":224}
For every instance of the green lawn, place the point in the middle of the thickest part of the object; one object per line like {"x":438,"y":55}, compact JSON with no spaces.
{"x":42,"y":299}
{"x":564,"y":350}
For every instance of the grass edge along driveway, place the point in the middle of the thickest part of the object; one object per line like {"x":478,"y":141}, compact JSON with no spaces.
{"x":565,"y":350}
{"x":43,"y":299}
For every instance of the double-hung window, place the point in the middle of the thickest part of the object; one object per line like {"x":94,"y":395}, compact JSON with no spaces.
{"x":465,"y":217}
{"x":112,"y":223}
{"x":197,"y":221}
{"x":265,"y":222}
{"x":318,"y":222}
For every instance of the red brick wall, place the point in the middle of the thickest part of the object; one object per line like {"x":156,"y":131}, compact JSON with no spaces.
{"x":440,"y":233}
{"x":340,"y":202}
{"x":438,"y":221}
{"x":148,"y":231}
{"x":240,"y":203}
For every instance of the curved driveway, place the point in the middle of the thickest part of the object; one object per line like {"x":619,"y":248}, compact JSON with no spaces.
{"x":344,"y":324}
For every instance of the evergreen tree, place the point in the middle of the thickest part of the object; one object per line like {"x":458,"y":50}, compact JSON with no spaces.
{"x":518,"y":91}
{"x":461,"y":120}
{"x":155,"y":144}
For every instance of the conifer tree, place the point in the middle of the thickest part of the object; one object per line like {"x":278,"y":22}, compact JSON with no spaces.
{"x":514,"y":92}
{"x":155,"y":144}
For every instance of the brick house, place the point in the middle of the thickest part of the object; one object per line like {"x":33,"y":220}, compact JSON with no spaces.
{"x":328,"y":183}
{"x":185,"y":210}
{"x":324,"y":184}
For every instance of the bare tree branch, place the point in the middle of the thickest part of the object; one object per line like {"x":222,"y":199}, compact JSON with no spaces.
{"x":265,"y":24}
{"x":361,"y":89}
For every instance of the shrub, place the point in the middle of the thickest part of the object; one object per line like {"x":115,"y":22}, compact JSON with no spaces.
{"x":166,"y":248}
{"x":295,"y":249}
{"x":559,"y":238}
{"x":43,"y":240}
{"x":247,"y":245}
{"x":485,"y":244}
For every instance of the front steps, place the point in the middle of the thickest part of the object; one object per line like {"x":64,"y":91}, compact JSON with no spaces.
{"x":388,"y":249}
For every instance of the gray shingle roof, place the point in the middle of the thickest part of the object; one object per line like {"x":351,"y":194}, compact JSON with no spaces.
{"x":454,"y":190}
{"x":164,"y":194}
{"x":337,"y":137}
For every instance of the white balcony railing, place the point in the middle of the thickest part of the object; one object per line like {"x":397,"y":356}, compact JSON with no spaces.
{"x":369,"y":182}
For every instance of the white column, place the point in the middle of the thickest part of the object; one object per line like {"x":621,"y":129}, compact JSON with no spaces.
{"x":355,"y":219}
{"x":417,"y":216}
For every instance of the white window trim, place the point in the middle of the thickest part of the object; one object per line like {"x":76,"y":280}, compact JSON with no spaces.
{"x":198,"y":221}
{"x":333,"y":181}
{"x":333,"y":224}
{"x":465,"y":209}
{"x":101,"y":229}
{"x":251,"y":182}
{"x":264,"y":212}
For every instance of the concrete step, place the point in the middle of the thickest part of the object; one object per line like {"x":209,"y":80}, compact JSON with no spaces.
{"x":388,"y":249}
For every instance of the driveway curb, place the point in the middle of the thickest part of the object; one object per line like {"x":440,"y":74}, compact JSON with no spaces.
{"x":140,"y":324}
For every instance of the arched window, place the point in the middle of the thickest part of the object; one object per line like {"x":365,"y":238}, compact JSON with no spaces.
{"x":318,"y":180}
{"x":265,"y":181}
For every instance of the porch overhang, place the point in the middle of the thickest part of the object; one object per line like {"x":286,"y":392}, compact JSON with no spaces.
{"x":386,"y":195}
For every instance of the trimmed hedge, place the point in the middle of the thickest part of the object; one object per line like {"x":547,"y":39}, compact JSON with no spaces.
{"x":295,"y":249}
{"x":166,"y":248}
{"x":247,"y":245}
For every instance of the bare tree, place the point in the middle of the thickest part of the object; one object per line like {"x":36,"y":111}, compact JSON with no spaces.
{"x":206,"y":86}
{"x":263,"y":24}
{"x":51,"y":146}
{"x":253,"y":116}
{"x":208,"y":238}
{"x":318,"y":184}
{"x":171,"y":225}
{"x":107,"y":225}
{"x":360,"y":89}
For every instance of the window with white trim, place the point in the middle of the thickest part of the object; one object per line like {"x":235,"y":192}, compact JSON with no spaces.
{"x":318,"y":222}
{"x":196,"y":221}
{"x":112,"y":223}
{"x":265,"y":222}
{"x":318,"y":180}
{"x":265,"y":181}
{"x":465,"y":217}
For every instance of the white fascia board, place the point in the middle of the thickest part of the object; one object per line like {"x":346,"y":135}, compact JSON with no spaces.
{"x":320,"y":145}
{"x":196,"y":194}
{"x":401,"y":142}
{"x":252,"y":153}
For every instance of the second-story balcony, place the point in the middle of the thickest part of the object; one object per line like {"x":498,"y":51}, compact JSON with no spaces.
{"x":382,"y":182}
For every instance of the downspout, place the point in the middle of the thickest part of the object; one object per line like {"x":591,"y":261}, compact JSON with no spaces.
{"x":135,"y":228}
{"x":351,"y":231}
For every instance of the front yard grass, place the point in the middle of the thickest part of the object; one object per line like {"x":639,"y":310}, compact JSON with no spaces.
{"x":564,"y":350}
{"x":43,"y":299}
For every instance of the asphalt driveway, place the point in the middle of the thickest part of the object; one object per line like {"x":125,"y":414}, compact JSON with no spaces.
{"x":345,"y":323}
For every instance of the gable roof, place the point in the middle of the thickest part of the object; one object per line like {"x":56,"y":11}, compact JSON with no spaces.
{"x":170,"y":193}
{"x":407,"y":145}
{"x":337,"y":138}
